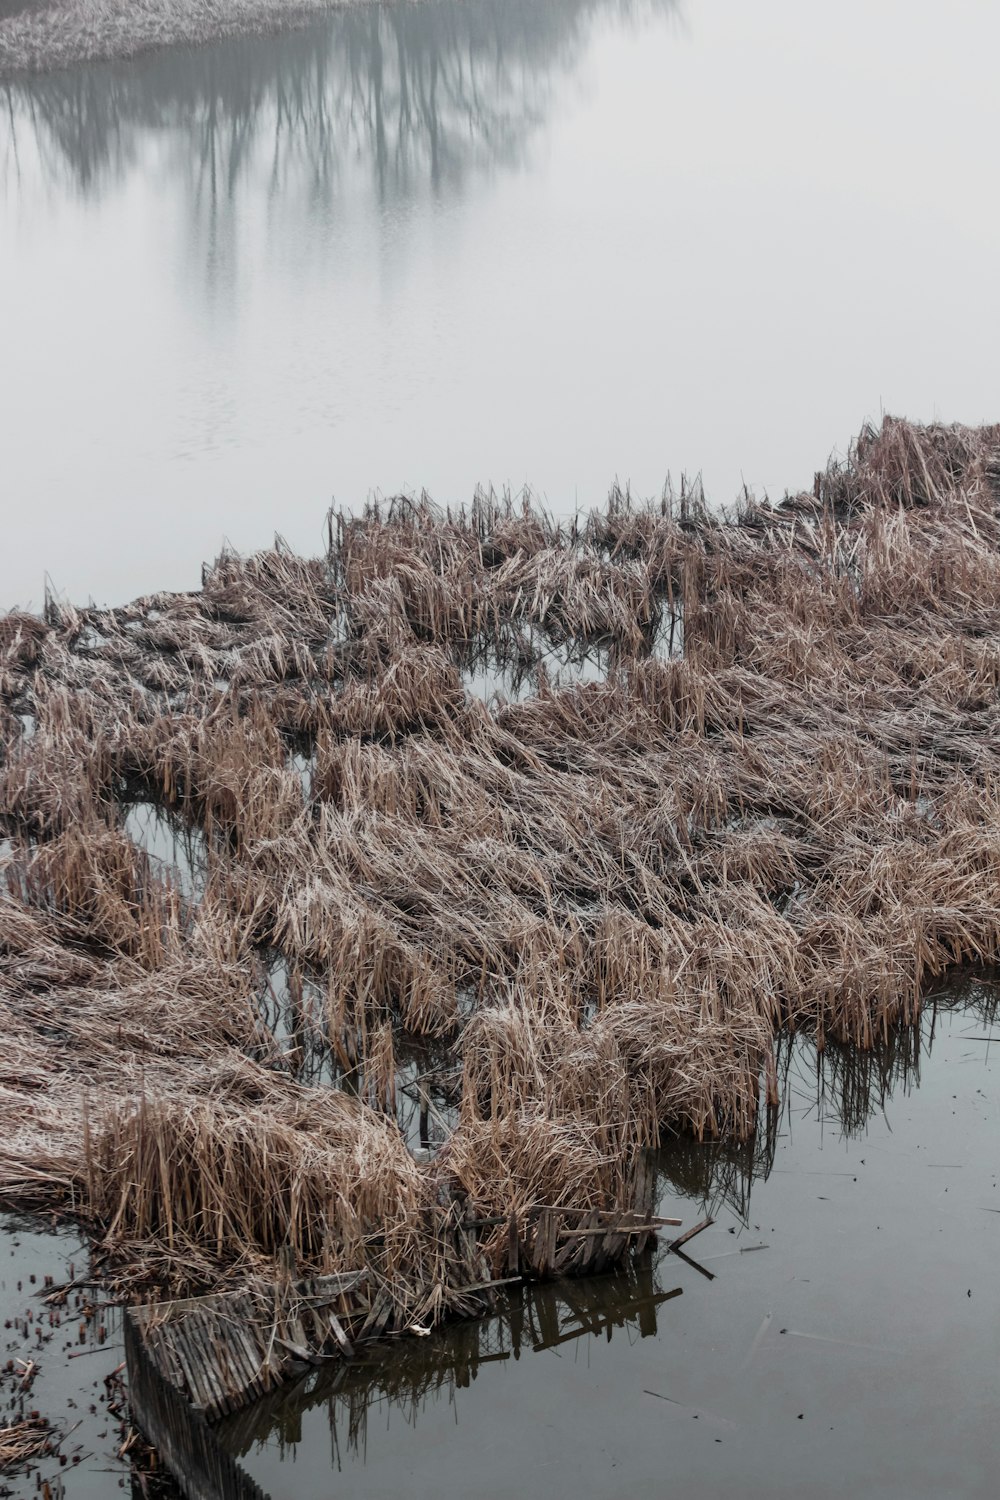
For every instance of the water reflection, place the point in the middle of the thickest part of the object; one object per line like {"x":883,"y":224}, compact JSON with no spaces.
{"x":510,"y":664}
{"x":838,"y":1091}
{"x":718,"y":1173}
{"x":422,"y":1371}
{"x":425,"y":1088}
{"x":414,"y":96}
{"x":178,"y":851}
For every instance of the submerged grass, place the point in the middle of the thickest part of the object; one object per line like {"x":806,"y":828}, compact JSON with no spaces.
{"x":600,"y":901}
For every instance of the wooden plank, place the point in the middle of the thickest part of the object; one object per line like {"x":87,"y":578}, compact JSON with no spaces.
{"x":317,"y":1331}
{"x":235,"y":1363}
{"x":623,"y":1231}
{"x":683,"y":1239}
{"x":582,"y":1250}
{"x":252,"y":1358}
{"x":300,"y":1351}
{"x":346,"y":1346}
{"x":199,"y":1394}
{"x":489,"y":1284}
{"x":541,"y":1245}
{"x":642,"y":1198}
{"x":206,"y":1336}
{"x":377,"y":1315}
{"x":566,"y":1252}
{"x":189,"y":1359}
{"x":338,"y":1284}
{"x":295,"y":1329}
{"x":200,"y":1344}
{"x":610,"y":1248}
{"x":244,"y":1333}
{"x":555,"y":1224}
{"x":385,"y":1314}
{"x":187,"y":1382}
{"x":227,"y":1376}
{"x":162,"y":1354}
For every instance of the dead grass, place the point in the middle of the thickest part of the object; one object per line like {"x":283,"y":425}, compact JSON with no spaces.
{"x":603,"y":900}
{"x":21,"y":1441}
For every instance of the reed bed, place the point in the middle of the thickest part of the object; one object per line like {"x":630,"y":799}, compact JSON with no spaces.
{"x":775,"y":807}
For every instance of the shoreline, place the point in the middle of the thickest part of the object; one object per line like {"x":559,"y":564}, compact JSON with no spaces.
{"x":55,"y":35}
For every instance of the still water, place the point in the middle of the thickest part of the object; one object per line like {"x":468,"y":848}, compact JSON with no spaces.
{"x":497,"y":241}
{"x":60,"y":1358}
{"x":839,"y":1334}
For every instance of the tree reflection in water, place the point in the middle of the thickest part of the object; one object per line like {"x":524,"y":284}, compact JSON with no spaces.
{"x":420,"y":94}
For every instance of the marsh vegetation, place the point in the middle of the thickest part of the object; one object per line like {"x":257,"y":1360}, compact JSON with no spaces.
{"x":598,"y":903}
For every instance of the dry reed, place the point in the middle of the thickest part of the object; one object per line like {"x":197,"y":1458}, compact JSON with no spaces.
{"x":776,"y":805}
{"x":21,"y":1441}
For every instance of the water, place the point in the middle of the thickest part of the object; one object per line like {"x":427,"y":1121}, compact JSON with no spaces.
{"x":508,"y":241}
{"x":509,"y":668}
{"x":292,"y":1007}
{"x":64,"y":1362}
{"x":848,"y":1338}
{"x":177,"y":853}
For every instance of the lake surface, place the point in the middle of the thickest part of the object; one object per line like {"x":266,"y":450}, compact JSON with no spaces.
{"x":499,"y":241}
{"x":849,"y":1341}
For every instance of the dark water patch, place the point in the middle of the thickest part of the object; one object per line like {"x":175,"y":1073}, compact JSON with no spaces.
{"x":490,"y":677}
{"x":718,"y":1175}
{"x":302,"y":764}
{"x":512,"y":666}
{"x":574,"y":663}
{"x":668,"y":638}
{"x":178,"y":851}
{"x":844,"y":1332}
{"x":428,"y":1093}
{"x":418,"y":1375}
{"x":293,"y":1008}
{"x":427,"y":1081}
